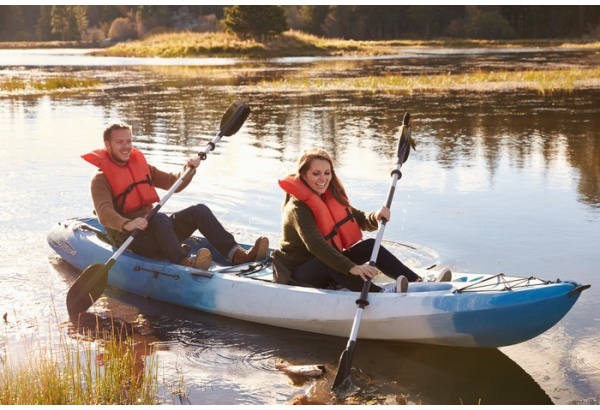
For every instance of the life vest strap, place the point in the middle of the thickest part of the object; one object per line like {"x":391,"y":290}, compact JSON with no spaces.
{"x":349,"y":217}
{"x":120,"y":199}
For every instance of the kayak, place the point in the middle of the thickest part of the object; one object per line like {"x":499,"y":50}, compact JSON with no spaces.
{"x":471,"y":310}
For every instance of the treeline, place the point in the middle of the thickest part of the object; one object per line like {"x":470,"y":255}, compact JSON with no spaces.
{"x":98,"y":23}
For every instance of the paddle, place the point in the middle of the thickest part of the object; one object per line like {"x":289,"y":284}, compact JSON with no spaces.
{"x":404,"y":144}
{"x":88,"y":287}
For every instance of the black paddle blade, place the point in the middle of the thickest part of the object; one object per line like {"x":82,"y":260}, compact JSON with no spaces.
{"x":87,"y":288}
{"x":405,"y":142}
{"x":406,"y":119}
{"x":344,"y":366}
{"x":234,"y":118}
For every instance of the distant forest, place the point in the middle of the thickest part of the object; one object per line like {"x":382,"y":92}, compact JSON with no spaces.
{"x":97,"y":23}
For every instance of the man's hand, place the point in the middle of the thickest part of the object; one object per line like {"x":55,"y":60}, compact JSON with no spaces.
{"x":137,"y":223}
{"x":193,"y":162}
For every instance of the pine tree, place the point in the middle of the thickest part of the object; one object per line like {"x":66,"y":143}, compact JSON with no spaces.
{"x":257,"y":22}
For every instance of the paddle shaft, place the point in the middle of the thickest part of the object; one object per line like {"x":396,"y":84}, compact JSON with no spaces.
{"x":346,"y":358}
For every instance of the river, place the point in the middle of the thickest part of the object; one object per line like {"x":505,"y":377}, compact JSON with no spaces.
{"x":504,"y":181}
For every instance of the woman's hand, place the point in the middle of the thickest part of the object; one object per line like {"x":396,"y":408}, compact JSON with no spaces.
{"x":383,"y":213}
{"x":364,"y":271}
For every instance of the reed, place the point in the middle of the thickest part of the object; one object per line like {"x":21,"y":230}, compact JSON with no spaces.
{"x":544,"y":81}
{"x":14,"y":84}
{"x":107,"y":370}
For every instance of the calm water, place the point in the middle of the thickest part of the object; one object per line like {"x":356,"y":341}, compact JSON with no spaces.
{"x":503,"y":182}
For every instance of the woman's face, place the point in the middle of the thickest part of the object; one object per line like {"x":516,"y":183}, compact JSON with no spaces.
{"x":318,"y":175}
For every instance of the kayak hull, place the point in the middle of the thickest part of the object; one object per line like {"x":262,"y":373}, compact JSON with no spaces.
{"x":473,"y":310}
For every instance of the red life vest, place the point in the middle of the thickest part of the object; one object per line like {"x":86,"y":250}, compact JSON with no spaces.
{"x":334,"y":220}
{"x":131,"y":184}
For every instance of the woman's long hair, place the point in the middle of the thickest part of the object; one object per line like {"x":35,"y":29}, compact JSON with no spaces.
{"x":335,"y":185}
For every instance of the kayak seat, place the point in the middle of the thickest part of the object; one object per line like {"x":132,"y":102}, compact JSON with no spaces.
{"x":99,"y":233}
{"x":429,"y":286}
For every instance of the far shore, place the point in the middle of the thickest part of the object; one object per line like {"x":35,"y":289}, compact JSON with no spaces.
{"x":289,"y":44}
{"x":547,"y":81}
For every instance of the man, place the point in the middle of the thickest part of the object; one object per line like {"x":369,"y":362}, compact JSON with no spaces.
{"x":123,"y":192}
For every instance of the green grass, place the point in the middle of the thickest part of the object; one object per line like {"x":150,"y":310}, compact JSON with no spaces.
{"x":107,"y":370}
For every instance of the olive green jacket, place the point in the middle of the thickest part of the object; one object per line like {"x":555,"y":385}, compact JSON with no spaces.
{"x":301,"y":239}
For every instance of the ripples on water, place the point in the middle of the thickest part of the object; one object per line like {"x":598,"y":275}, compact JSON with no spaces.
{"x":499,"y":182}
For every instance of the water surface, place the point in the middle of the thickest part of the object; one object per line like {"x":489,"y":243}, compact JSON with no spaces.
{"x":500,"y":182}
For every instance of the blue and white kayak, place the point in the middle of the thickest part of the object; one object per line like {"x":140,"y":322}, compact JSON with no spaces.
{"x":473,"y":310}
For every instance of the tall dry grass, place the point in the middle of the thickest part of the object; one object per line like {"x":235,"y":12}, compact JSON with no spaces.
{"x":105,"y":370}
{"x":544,"y":81}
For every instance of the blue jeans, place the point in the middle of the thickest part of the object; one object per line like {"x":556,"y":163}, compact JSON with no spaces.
{"x":164,"y":234}
{"x":317,"y":274}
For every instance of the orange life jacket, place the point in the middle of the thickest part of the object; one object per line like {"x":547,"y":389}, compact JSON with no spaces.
{"x":334,"y":220}
{"x":131,"y":184}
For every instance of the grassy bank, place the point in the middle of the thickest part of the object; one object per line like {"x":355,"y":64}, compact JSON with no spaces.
{"x":17,"y":85}
{"x":108,"y":370}
{"x":291,"y":43}
{"x":545,"y":82}
{"x":294,"y":43}
{"x":542,"y":81}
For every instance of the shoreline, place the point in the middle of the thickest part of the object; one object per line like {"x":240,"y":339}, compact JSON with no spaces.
{"x":290,"y":44}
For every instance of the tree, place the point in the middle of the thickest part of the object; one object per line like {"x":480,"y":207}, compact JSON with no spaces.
{"x":312,"y":18}
{"x":11,"y":22}
{"x":345,"y":22}
{"x":255,"y":21}
{"x":79,"y":15}
{"x":486,"y":22}
{"x":43,"y":28}
{"x":149,"y":17}
{"x":70,"y":22}
{"x":59,"y":21}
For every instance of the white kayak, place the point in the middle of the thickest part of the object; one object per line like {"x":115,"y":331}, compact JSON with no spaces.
{"x":472,"y":310}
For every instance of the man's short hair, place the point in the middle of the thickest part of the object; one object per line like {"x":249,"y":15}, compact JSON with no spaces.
{"x":115,"y":126}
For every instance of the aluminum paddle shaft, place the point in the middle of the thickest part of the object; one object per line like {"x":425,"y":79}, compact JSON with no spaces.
{"x":404,"y":144}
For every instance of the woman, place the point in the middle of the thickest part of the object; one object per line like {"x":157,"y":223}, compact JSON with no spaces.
{"x":321,"y":243}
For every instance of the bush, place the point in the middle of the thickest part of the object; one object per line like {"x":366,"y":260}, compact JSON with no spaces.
{"x":122,"y":29}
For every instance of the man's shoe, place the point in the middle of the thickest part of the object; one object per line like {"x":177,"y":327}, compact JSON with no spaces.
{"x":203,"y":260}
{"x":444,"y":276}
{"x":256,"y":253}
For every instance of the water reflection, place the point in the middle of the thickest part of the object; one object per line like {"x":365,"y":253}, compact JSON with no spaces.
{"x":445,"y":375}
{"x":235,"y":357}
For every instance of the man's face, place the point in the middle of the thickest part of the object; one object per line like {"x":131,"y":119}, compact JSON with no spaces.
{"x":119,"y":145}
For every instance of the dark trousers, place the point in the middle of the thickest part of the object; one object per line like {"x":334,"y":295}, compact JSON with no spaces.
{"x":165,"y":233}
{"x":317,"y":274}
